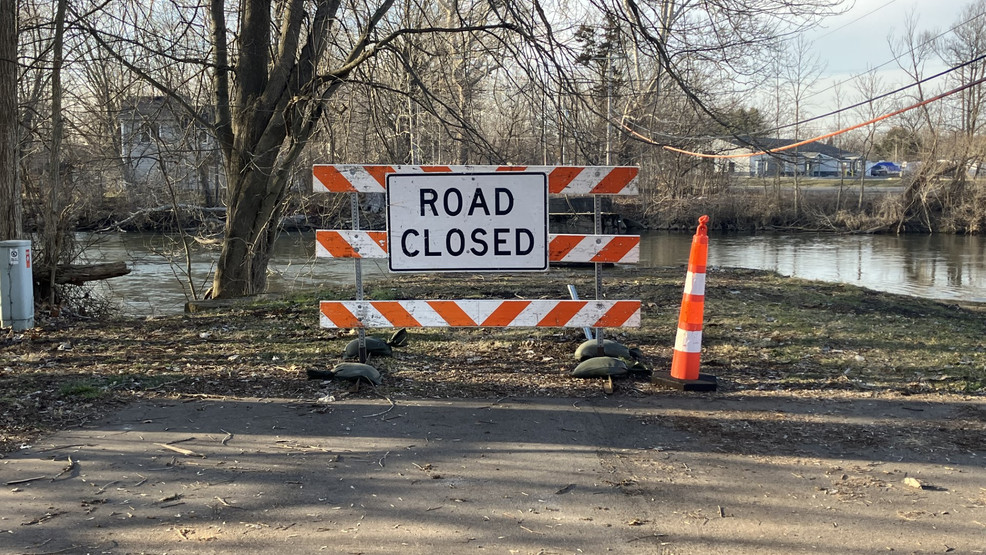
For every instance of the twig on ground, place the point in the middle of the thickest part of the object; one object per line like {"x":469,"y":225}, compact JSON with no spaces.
{"x":60,"y":447}
{"x":71,"y":466}
{"x":497,"y":402}
{"x":23,"y":481}
{"x":186,"y":452}
{"x":648,"y":537}
{"x":102,"y":489}
{"x":389,"y":400}
{"x":165,"y":384}
{"x":181,"y":440}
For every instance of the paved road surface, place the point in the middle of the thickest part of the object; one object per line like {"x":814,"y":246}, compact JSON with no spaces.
{"x":667,"y":474}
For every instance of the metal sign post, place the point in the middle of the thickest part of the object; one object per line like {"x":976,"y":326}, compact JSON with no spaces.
{"x":598,"y":267}
{"x":358,"y":270}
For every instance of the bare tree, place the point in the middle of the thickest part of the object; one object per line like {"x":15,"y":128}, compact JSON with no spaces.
{"x":277,"y":71}
{"x":961,"y":50}
{"x":52,"y":230}
{"x":913,"y":51}
{"x":11,"y":220}
{"x":868,"y":86}
{"x":801,"y":70}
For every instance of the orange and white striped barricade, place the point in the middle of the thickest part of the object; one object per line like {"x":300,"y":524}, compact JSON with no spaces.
{"x":615,"y":249}
{"x":400,"y":184}
{"x":684,"y":372}
{"x":490,"y":313}
{"x":562,"y":180}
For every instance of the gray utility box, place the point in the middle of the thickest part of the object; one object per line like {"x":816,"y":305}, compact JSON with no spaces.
{"x":16,"y":285}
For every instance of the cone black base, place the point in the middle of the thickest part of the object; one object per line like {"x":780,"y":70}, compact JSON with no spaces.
{"x":705,"y":382}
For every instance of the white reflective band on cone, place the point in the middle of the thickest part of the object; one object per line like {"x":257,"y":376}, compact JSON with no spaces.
{"x":688,"y":341}
{"x":695,"y":284}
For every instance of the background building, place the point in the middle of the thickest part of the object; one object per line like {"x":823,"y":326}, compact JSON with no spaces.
{"x":169,"y":155}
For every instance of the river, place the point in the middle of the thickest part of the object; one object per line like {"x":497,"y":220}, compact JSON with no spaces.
{"x":945,"y":267}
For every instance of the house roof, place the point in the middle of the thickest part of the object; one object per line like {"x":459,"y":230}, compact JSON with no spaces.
{"x":157,"y":108}
{"x":763,"y":143}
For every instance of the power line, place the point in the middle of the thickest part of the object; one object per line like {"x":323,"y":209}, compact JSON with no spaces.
{"x":832,"y":113}
{"x":884,"y":95}
{"x":848,"y":23}
{"x":832,"y":134}
{"x":896,"y":58}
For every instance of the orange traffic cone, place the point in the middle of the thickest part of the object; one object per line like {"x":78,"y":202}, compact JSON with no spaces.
{"x":688,"y":341}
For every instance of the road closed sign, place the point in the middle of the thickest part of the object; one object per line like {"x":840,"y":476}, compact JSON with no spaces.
{"x":450,"y":222}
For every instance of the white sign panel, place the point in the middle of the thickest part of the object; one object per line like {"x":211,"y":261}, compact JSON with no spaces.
{"x":483,"y":222}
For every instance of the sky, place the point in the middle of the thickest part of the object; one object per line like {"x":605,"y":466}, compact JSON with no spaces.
{"x":850,"y":44}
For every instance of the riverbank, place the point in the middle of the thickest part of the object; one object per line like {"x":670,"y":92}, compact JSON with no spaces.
{"x":764,"y":333}
{"x":873,"y":205}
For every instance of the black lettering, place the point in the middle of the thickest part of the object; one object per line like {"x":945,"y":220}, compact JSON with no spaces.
{"x":478,"y":237}
{"x":500,"y":238}
{"x":479,"y":202}
{"x":508,"y":197}
{"x":428,"y":197}
{"x":455,"y":250}
{"x":428,"y":251}
{"x":408,"y":252}
{"x":530,"y":241}
{"x":456,"y":195}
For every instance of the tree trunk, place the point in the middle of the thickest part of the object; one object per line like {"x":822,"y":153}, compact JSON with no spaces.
{"x":78,"y":274}
{"x":10,"y":188}
{"x":51,"y":235}
{"x":255,"y":206}
{"x":264,"y":131}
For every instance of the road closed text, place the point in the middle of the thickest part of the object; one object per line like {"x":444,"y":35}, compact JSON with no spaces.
{"x":467,"y":222}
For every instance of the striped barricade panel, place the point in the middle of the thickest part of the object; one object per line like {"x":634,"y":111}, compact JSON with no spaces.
{"x":562,"y":180}
{"x":480,"y":313}
{"x":619,"y":249}
{"x":350,"y":244}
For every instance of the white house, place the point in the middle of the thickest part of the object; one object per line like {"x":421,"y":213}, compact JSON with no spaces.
{"x":759,"y":157}
{"x":165,"y":150}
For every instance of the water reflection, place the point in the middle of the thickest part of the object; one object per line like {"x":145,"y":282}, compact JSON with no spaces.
{"x":935,"y":266}
{"x":159,"y":282}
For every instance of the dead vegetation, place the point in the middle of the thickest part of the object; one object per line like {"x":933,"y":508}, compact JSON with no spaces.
{"x":764,"y":334}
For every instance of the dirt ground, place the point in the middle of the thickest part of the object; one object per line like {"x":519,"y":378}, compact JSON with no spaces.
{"x":845,"y":422}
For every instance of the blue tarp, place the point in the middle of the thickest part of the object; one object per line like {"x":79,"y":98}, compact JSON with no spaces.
{"x":885,"y":168}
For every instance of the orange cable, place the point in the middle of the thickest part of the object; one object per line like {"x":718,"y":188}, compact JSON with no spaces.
{"x":820,"y":137}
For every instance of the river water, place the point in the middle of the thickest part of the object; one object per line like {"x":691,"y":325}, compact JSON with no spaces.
{"x":943,"y":267}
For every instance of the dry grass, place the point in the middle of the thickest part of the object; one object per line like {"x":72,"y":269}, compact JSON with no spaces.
{"x":762,"y":332}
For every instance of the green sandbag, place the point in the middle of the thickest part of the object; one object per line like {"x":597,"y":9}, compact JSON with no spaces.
{"x":611,"y":348}
{"x":355,"y":371}
{"x":600,"y":367}
{"x":374,"y":346}
{"x":398,"y":339}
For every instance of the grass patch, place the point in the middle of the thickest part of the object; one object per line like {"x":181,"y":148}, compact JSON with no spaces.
{"x":88,"y":390}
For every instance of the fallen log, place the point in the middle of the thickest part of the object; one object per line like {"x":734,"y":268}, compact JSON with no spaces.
{"x":78,"y":274}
